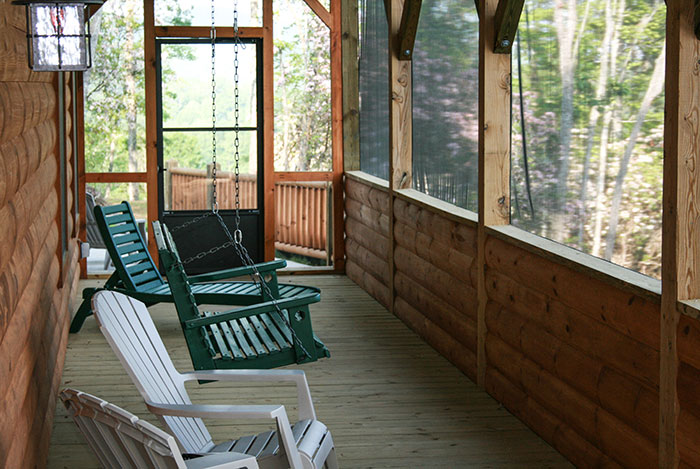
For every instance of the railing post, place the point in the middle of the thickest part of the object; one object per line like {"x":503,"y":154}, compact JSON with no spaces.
{"x":329,"y":224}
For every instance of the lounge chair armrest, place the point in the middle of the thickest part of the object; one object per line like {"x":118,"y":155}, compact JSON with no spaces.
{"x":306,"y":405}
{"x":237,"y":272}
{"x":222,"y":461}
{"x":251,"y":311}
{"x":276,"y":412}
{"x":216,"y":411}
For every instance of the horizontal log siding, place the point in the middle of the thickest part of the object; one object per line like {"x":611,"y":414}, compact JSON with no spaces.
{"x":34,"y":312}
{"x":585,"y":352}
{"x":367,"y":241}
{"x":574,"y":357}
{"x":435,"y":281}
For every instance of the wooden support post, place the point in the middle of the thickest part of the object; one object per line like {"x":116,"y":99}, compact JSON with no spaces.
{"x":407,"y":31}
{"x":268,"y":133}
{"x":400,"y":129}
{"x":697,"y":19}
{"x":337,"y":133}
{"x":401,"y":164}
{"x":80,"y":127}
{"x":351,"y":87}
{"x":149,"y":42}
{"x":680,"y":272}
{"x":507,"y":18}
{"x":494,"y":156}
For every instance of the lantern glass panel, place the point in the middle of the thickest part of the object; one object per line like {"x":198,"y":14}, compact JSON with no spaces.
{"x":58,"y":37}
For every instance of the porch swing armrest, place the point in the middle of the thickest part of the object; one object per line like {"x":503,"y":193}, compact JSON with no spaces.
{"x":238,"y":271}
{"x":252,"y":310}
{"x":298,"y":377}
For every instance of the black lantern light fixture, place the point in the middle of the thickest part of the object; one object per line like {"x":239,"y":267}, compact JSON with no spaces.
{"x":58,"y":38}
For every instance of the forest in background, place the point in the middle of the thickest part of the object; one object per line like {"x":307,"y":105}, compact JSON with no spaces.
{"x":587,"y":148}
{"x":115,"y":93}
{"x":587,"y":161}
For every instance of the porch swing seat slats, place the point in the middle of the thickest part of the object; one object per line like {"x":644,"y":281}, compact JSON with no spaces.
{"x":239,"y":339}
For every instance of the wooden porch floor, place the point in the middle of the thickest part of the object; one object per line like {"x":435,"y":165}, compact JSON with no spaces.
{"x":389,"y":399}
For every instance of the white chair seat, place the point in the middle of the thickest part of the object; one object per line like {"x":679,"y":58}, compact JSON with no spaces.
{"x":313,"y":440}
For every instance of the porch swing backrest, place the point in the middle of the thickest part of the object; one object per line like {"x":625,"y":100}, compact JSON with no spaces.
{"x":183,"y":297}
{"x":127,"y":248}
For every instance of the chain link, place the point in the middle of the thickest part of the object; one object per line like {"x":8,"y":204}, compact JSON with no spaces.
{"x":190,"y":222}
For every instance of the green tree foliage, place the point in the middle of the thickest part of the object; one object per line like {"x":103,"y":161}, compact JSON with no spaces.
{"x":302,"y":89}
{"x":616,"y":148}
{"x":115,"y":92}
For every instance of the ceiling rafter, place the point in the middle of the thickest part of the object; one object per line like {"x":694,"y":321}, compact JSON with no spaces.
{"x":507,"y":18}
{"x":406,"y":37}
{"x":323,"y":14}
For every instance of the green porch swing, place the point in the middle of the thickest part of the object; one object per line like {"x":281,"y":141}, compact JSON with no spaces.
{"x":269,"y":334}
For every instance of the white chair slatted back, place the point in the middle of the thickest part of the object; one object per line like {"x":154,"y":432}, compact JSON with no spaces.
{"x":130,"y":331}
{"x":118,"y":438}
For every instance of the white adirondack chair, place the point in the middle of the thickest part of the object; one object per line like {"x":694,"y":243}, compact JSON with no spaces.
{"x":128,"y":328}
{"x":121,"y":440}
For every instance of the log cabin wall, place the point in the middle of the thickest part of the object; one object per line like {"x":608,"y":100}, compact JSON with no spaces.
{"x":37,"y":277}
{"x":572,"y":352}
{"x":367,"y":242}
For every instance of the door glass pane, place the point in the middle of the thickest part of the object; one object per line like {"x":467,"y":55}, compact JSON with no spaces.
{"x":198,"y":13}
{"x":188,"y":159}
{"x":187,"y":85}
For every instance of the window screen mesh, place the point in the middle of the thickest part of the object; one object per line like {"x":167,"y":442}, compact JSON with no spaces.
{"x":445,"y":102}
{"x":374,"y":88}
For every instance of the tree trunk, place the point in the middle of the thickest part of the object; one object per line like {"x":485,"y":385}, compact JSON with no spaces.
{"x":565,"y":19}
{"x":601,"y":89}
{"x":600,"y":184}
{"x":654,"y":89}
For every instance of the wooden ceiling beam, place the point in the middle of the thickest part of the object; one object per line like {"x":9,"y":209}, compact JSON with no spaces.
{"x":406,"y":38}
{"x":323,"y":14}
{"x":507,"y":18}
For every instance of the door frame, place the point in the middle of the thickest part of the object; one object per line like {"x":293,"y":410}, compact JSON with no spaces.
{"x":332,"y":19}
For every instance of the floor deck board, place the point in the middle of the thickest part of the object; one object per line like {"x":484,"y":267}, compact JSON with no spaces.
{"x":389,"y":399}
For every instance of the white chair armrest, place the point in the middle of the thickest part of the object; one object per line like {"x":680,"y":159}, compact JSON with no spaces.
{"x":216,"y":411}
{"x":284,"y":429}
{"x":306,"y":405}
{"x":223,"y":461}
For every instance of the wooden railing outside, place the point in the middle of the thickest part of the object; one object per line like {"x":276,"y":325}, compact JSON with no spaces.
{"x":192,"y":189}
{"x":301,"y":218}
{"x":302,"y":212}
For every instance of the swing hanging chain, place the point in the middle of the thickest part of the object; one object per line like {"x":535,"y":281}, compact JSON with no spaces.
{"x":236,"y":115}
{"x":214,"y":201}
{"x":235,"y":239}
{"x":260,"y":282}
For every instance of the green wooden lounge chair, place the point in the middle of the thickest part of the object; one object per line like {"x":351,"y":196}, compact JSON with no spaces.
{"x":137,"y":275}
{"x":264,"y":335}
